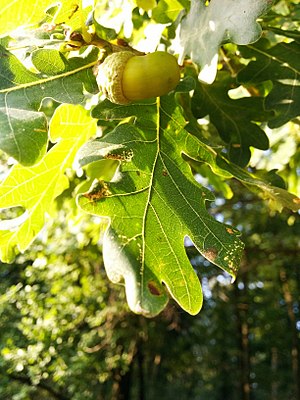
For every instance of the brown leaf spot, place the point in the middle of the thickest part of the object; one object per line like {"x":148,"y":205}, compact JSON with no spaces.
{"x":122,"y":42}
{"x":165,"y":172}
{"x":154,"y":289}
{"x":211,"y":254}
{"x":124,"y":156}
{"x":111,"y":156}
{"x":76,"y":36}
{"x":296,"y":200}
{"x":230,"y":230}
{"x":98,"y":192}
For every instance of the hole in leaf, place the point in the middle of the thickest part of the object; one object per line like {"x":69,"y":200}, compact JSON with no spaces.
{"x":11,"y":218}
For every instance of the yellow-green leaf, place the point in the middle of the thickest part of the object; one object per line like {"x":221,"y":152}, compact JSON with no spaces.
{"x":35,"y":188}
{"x":16,"y":14}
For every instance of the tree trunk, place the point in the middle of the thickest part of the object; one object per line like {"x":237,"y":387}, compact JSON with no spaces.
{"x":140,"y":361}
{"x":226,"y":385}
{"x":241,"y":297}
{"x":295,"y":353}
{"x":274,"y":368}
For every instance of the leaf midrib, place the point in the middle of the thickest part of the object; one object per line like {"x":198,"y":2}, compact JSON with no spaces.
{"x":48,"y":79}
{"x":271,"y":57}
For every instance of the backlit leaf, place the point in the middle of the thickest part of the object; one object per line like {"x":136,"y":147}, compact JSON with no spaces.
{"x":166,"y":11}
{"x":35,"y":188}
{"x":16,"y":14}
{"x":23,"y":128}
{"x":152,"y":204}
{"x":277,"y":196}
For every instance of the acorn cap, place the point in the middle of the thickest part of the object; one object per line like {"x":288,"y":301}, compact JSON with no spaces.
{"x":109,"y":76}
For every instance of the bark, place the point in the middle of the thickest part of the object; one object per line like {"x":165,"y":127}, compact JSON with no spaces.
{"x":243,"y":338}
{"x":123,"y":383}
{"x":274,"y":368}
{"x":226,"y":385}
{"x":295,"y":352}
{"x":140,"y":361}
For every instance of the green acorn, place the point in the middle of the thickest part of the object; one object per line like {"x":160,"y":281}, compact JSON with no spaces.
{"x":125,"y":77}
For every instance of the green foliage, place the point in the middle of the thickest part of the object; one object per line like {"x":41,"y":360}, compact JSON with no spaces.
{"x":24,"y":128}
{"x":32,"y":13}
{"x":280,"y":65}
{"x":166,"y":11}
{"x":236,"y":120}
{"x":217,"y":23}
{"x":66,"y":332}
{"x":35,"y":188}
{"x":55,"y":313}
{"x":138,"y":172}
{"x":164,"y":203}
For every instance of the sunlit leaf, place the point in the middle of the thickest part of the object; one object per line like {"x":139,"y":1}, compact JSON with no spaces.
{"x":278,"y":197}
{"x":152,"y":204}
{"x":167,"y":11}
{"x":281,"y":65}
{"x":235,"y":120}
{"x":16,"y":14}
{"x":204,"y":28}
{"x":35,"y":188}
{"x":23,"y":128}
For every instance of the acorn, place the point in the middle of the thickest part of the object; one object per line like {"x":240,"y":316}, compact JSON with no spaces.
{"x":124,"y":77}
